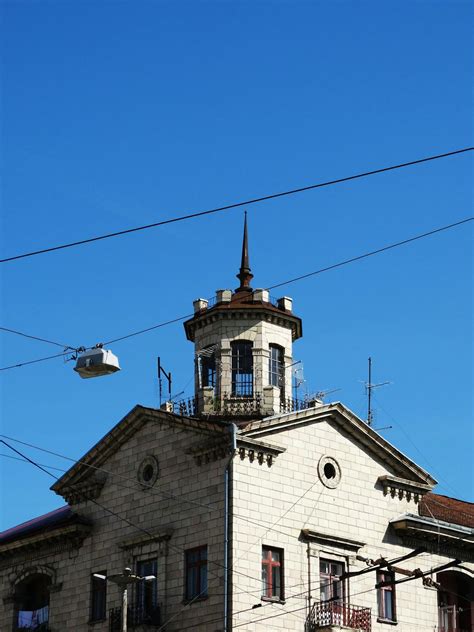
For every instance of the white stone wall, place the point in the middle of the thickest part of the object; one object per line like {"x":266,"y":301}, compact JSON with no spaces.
{"x":273,"y":504}
{"x":163,"y":506}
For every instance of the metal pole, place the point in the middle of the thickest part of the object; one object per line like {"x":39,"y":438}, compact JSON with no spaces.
{"x":124,"y":608}
{"x":369,"y":395}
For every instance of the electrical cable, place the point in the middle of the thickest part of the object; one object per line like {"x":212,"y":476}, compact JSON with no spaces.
{"x":20,"y":364}
{"x":287,"y":282}
{"x":51,"y":342}
{"x":238,"y":204}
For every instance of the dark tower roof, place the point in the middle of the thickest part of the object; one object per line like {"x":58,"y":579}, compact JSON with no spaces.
{"x":245,"y":275}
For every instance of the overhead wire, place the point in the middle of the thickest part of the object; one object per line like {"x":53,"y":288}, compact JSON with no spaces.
{"x":51,"y":342}
{"x":287,"y":282}
{"x":227,"y":207}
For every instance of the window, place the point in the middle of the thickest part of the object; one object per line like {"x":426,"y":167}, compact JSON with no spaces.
{"x":32,"y":602}
{"x":242,"y":368}
{"x":386,"y":596}
{"x":272,"y":573}
{"x":196,"y":573}
{"x":208,"y":367}
{"x":147,"y":592}
{"x":98,"y":597}
{"x":276,"y":367}
{"x":331,"y":586}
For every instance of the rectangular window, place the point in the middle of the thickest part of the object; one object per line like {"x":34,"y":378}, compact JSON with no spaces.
{"x":386,"y":596}
{"x":272,"y":573}
{"x":98,"y":597}
{"x":242,"y":368}
{"x":331,"y":586}
{"x":276,"y":368}
{"x":147,"y":592}
{"x":196,"y":572}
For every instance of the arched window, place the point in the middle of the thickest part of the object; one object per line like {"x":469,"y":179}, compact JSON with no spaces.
{"x":276,"y":367}
{"x":242,"y":368}
{"x":32,"y":603}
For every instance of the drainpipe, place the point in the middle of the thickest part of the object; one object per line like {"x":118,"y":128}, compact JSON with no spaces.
{"x":227,"y":499}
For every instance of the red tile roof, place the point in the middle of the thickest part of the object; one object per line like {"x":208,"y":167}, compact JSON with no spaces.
{"x":447,"y":509}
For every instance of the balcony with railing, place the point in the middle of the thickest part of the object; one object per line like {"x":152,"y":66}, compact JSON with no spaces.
{"x":325,"y":614}
{"x":232,"y":406}
{"x":136,"y":616}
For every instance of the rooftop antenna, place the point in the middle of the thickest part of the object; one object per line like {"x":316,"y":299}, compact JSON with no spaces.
{"x":369,"y":387}
{"x":167,"y":377}
{"x":322,"y":394}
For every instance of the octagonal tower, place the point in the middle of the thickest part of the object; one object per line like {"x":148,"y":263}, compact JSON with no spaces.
{"x":243,"y":349}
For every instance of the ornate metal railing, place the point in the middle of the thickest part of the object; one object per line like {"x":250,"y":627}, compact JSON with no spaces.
{"x":186,"y":407}
{"x":230,"y":405}
{"x":290,"y":405}
{"x":136,"y":615}
{"x":326,"y":613}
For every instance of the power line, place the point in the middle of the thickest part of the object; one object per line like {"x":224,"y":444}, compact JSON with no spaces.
{"x":287,"y":282}
{"x":238,"y":204}
{"x":372,"y":252}
{"x":21,"y":333}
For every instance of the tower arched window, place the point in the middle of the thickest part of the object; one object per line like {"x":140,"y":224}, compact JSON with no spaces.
{"x":242,"y":368}
{"x":276,"y":367}
{"x":32,"y":603}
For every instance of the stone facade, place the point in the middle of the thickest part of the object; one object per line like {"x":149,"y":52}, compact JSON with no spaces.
{"x":251,"y":514}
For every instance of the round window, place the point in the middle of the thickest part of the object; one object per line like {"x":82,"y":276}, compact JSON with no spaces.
{"x":329,"y":471}
{"x":148,"y":471}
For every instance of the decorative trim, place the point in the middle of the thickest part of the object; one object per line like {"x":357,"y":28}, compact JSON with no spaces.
{"x":209,"y":451}
{"x":162,"y":536}
{"x":87,"y":490}
{"x":150,"y":465}
{"x":402,"y":488}
{"x":307,"y":535}
{"x":329,"y":472}
{"x":66,"y":538}
{"x":258,"y":451}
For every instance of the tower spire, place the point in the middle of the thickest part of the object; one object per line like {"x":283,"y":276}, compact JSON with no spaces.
{"x":245,"y":275}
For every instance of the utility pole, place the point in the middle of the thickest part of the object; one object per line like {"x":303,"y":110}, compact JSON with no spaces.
{"x":368,"y":387}
{"x":123,"y":580}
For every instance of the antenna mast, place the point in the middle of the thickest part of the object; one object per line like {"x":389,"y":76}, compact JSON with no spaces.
{"x":167,"y":377}
{"x":368,"y":387}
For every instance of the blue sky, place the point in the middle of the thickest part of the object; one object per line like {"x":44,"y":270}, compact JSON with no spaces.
{"x":116,"y":114}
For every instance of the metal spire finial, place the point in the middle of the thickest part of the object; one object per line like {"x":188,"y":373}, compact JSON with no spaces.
{"x":245,"y":276}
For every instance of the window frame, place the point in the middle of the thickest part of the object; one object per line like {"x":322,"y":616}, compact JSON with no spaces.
{"x":144,"y":588}
{"x":268,"y":563}
{"x":94,"y":603}
{"x":208,"y":368}
{"x":331,"y":581}
{"x":276,"y":367}
{"x":200,"y":587}
{"x":382,"y":592}
{"x":242,"y":365}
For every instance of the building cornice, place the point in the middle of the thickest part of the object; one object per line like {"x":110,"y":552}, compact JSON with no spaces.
{"x":70,"y":536}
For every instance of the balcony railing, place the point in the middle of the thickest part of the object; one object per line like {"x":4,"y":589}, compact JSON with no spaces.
{"x":136,"y":615}
{"x":230,"y":406}
{"x":327,"y":613}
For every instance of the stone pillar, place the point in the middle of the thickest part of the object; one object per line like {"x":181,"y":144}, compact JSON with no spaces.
{"x":271,"y":400}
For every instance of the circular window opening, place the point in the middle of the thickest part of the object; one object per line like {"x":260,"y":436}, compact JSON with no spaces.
{"x":148,"y":471}
{"x":329,"y":472}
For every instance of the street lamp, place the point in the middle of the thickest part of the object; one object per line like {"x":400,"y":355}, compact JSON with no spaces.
{"x":123,"y":581}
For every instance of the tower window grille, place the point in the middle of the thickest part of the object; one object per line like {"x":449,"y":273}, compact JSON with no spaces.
{"x":242,"y":368}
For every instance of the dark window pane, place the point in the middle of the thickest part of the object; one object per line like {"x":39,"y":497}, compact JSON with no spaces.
{"x":242,"y":368}
{"x":98,"y":597}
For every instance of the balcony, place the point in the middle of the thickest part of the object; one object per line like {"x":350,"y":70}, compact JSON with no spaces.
{"x":332,"y":615}
{"x":231,"y":406}
{"x":136,"y":616}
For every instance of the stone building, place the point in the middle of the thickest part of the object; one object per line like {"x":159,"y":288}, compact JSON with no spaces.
{"x":244,"y":508}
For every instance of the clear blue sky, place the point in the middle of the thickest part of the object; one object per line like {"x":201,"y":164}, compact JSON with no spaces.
{"x":120,"y":114}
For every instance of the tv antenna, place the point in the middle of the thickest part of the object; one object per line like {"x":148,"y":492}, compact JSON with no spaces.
{"x":368,"y":389}
{"x":167,"y":377}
